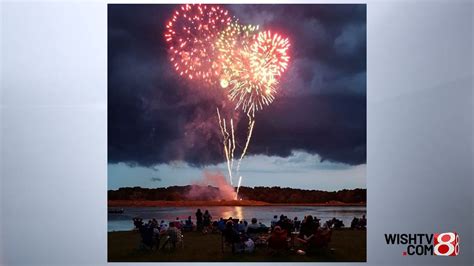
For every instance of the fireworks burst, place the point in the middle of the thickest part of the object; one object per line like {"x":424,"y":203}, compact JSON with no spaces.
{"x":251,"y":65}
{"x":269,"y":55}
{"x":206,"y":45}
{"x":233,"y":45}
{"x":191,"y":34}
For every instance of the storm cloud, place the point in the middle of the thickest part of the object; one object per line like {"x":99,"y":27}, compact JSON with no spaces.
{"x":156,"y":117}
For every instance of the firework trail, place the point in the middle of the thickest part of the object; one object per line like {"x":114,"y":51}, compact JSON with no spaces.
{"x":238,"y":188}
{"x":233,"y":143}
{"x":227,"y":149}
{"x":249,"y":136}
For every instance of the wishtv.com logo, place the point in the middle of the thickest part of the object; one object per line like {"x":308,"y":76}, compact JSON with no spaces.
{"x":438,"y":244}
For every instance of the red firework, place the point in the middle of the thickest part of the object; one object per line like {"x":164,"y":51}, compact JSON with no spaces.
{"x":191,"y":34}
{"x":270,"y":56}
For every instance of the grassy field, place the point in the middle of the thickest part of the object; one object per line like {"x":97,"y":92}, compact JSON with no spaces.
{"x":346,"y":245}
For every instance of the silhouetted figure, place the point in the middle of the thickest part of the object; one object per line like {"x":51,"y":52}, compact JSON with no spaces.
{"x":355,"y":223}
{"x":206,"y":221}
{"x":199,"y":219}
{"x":253,"y":226}
{"x":146,"y":233}
{"x":188,"y":224}
{"x":137,"y":222}
{"x":231,"y":236}
{"x":221,"y":224}
{"x":307,"y":228}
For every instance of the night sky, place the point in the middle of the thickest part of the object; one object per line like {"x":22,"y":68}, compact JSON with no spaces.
{"x":159,"y":122}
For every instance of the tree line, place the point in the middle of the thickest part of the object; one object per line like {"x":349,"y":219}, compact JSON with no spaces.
{"x":265,"y":194}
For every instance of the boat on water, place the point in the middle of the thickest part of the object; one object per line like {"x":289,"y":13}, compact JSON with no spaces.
{"x":116,"y":211}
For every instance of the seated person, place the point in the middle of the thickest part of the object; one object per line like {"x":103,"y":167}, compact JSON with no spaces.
{"x":231,"y":236}
{"x":278,"y":239}
{"x":308,"y":228}
{"x":253,"y":226}
{"x":354,"y":223}
{"x":248,"y":245}
{"x":188,"y":224}
{"x":338,"y":224}
{"x":174,"y":235}
{"x":241,"y":227}
{"x":262,"y":228}
{"x":146,"y":233}
{"x":286,"y":224}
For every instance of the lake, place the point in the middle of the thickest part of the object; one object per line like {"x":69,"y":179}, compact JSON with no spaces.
{"x":264,"y":214}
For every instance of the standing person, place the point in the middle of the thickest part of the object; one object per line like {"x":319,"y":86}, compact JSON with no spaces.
{"x":207,"y":221}
{"x":199,"y":219}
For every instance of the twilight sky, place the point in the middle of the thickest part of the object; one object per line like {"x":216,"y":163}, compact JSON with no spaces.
{"x":163,"y":130}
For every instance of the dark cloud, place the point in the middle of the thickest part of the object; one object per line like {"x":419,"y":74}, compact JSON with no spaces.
{"x":155,"y":179}
{"x":156,"y":117}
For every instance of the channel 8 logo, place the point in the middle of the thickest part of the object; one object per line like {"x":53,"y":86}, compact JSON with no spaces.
{"x":446,"y":244}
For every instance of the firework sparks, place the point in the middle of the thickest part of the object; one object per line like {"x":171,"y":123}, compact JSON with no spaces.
{"x":233,"y":46}
{"x":270,"y":57}
{"x":251,"y":64}
{"x":191,"y":34}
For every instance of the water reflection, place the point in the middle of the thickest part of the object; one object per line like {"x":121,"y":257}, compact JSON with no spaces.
{"x":234,"y":212}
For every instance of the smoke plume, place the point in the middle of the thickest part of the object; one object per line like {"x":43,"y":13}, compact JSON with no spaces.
{"x":213,"y":186}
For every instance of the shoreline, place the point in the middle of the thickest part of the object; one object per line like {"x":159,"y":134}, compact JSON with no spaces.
{"x":232,"y":203}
